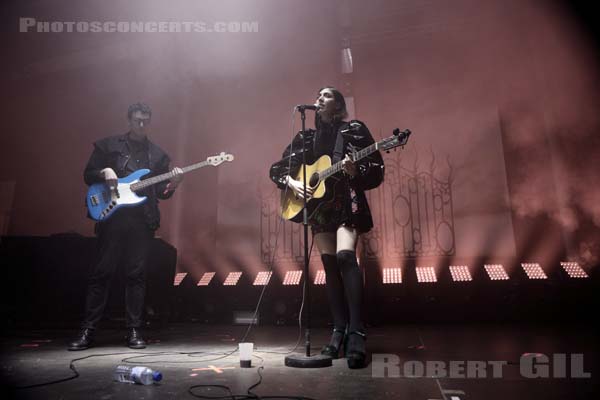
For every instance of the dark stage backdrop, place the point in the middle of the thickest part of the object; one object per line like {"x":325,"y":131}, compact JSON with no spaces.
{"x":502,"y":99}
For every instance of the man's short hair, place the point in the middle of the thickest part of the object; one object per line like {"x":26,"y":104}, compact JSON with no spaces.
{"x":142,"y":107}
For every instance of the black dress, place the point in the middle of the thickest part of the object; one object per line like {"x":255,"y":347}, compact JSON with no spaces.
{"x":349,"y":206}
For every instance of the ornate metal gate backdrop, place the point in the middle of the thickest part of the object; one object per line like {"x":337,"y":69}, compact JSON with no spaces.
{"x":412,"y":212}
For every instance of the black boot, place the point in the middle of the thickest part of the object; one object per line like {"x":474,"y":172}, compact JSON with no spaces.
{"x":335,"y":344}
{"x":135,"y":339}
{"x":83,"y":341}
{"x":356,"y":350}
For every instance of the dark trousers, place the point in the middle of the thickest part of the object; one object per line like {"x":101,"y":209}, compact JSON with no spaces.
{"x":123,"y":240}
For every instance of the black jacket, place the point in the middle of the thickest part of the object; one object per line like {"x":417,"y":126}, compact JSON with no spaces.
{"x":354,"y":134}
{"x":115,"y":152}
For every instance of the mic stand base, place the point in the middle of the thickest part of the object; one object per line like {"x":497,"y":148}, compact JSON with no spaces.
{"x":303,"y":361}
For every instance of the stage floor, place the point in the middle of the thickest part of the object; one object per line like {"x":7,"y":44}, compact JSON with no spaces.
{"x":406,"y":362}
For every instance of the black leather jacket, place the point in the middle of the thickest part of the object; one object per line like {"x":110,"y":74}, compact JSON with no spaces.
{"x":355,"y":208}
{"x":115,"y":152}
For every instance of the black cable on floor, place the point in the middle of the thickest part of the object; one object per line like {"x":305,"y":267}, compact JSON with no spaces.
{"x":76,"y":373}
{"x":249,"y":396}
{"x":221,"y":356}
{"x":71,"y":367}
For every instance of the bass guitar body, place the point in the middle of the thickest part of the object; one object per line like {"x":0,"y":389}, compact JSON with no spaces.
{"x":103,"y":202}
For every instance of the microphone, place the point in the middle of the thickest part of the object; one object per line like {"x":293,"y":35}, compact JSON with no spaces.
{"x":303,"y":107}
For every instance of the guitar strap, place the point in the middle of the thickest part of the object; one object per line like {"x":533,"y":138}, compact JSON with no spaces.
{"x":338,"y":150}
{"x":147,"y":150}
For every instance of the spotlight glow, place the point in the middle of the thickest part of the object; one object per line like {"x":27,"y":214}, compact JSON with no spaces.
{"x":178,"y":278}
{"x":534,"y":271}
{"x":392,"y":275}
{"x":206,"y":278}
{"x":574,"y":270}
{"x":496,"y":272}
{"x":460,"y":273}
{"x":320,"y":277}
{"x":232,"y":279}
{"x":426,"y":274}
{"x":292,"y":277}
{"x":262,"y":278}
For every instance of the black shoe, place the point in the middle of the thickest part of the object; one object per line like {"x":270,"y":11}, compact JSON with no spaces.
{"x":135,"y":339}
{"x":356,"y":350}
{"x":335,"y":344}
{"x":83,"y":341}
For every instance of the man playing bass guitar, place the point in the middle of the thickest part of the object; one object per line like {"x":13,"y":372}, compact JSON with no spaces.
{"x":125,"y":237}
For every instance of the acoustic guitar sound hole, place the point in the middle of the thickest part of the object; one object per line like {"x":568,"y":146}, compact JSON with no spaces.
{"x":314,"y":180}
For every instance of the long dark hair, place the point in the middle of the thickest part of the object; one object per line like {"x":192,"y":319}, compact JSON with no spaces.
{"x":340,"y":105}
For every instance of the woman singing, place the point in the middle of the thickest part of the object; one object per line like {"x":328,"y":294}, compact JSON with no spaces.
{"x":336,"y":224}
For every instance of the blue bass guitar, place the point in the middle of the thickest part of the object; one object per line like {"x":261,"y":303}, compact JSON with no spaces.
{"x":102,"y":202}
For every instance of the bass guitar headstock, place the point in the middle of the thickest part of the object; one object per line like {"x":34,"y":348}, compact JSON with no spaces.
{"x":219,"y":159}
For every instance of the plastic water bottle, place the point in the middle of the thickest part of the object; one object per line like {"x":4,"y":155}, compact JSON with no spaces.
{"x":141,"y":375}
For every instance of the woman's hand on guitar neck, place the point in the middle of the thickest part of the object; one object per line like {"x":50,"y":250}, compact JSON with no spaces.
{"x":298,"y":188}
{"x":349,"y":167}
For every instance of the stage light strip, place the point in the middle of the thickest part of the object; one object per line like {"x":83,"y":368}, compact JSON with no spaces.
{"x":534,"y":271}
{"x":320,"y":277}
{"x":574,"y":270}
{"x":178,"y":278}
{"x":206,"y":278}
{"x":496,"y":272}
{"x":292,"y":277}
{"x":262,"y":278}
{"x":392,"y":275}
{"x":426,"y":274}
{"x":232,"y":279}
{"x":460,"y":273}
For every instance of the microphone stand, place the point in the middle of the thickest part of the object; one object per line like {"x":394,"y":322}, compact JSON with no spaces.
{"x":307,"y":360}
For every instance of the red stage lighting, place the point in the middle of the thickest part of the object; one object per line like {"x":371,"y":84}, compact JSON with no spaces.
{"x":426,"y":274}
{"x":534,"y":271}
{"x":460,"y":273}
{"x":206,"y":278}
{"x":574,"y":270}
{"x":262,"y":278}
{"x":392,"y":275}
{"x":496,"y":272}
{"x":232,"y":279}
{"x":320,"y":277}
{"x":292,"y":277}
{"x":178,"y":278}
